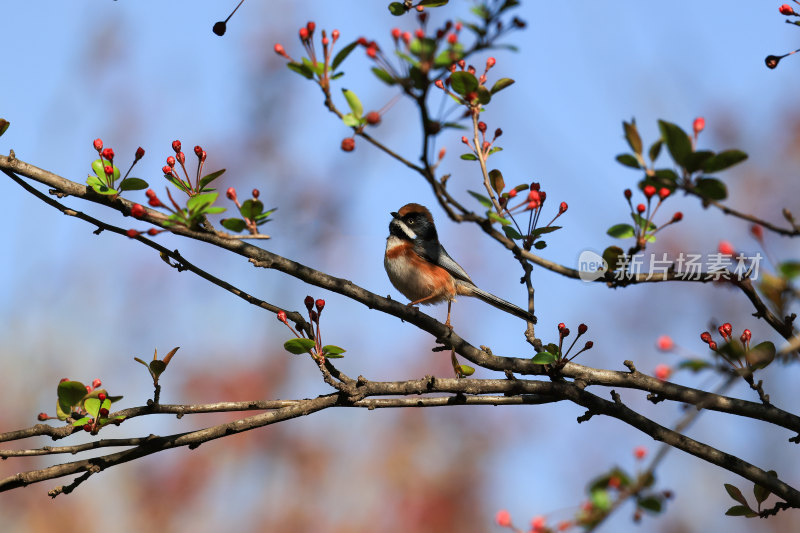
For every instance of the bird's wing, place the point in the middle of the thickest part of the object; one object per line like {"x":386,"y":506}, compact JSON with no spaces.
{"x":436,"y":254}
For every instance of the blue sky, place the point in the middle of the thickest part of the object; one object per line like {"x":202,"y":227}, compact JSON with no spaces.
{"x":145,"y":73}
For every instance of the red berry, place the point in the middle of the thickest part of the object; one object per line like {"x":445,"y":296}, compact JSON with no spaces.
{"x":314,"y":316}
{"x":203,"y":156}
{"x":108,"y":169}
{"x":362,"y":41}
{"x":663,"y":372}
{"x":497,"y":133}
{"x":705,"y":337}
{"x":108,"y":153}
{"x":171,"y":161}
{"x":786,"y":9}
{"x":180,"y":157}
{"x":649,"y":191}
{"x":757,"y":231}
{"x":698,"y":125}
{"x":482,"y":127}
{"x":303,"y":34}
{"x":639,"y":452}
{"x":310,"y":27}
{"x":137,"y":210}
{"x":464,"y":139}
{"x":406,"y":37}
{"x":747,"y":334}
{"x":396,"y":33}
{"x":713,"y":345}
{"x":452,"y":38}
{"x":727,"y":328}
{"x":372,"y":52}
{"x":726,"y":248}
{"x":677,"y":217}
{"x":640,"y":208}
{"x":98,"y":144}
{"x":153,"y":232}
{"x":320,"y":305}
{"x":565,"y":332}
{"x":101,"y":396}
{"x":665,"y":343}
{"x":256,"y":193}
{"x":198,"y":151}
{"x":132,"y":233}
{"x":588,"y":345}
{"x":280,"y":50}
{"x":373,"y":118}
{"x":62,"y":380}
{"x":282,"y":316}
{"x":176,"y":145}
{"x":663,"y":192}
{"x":419,"y":33}
{"x":503,"y":518}
{"x":538,"y":524}
{"x":139,"y":153}
{"x":442,"y":152}
{"x":42,"y":417}
{"x":335,"y":35}
{"x":88,"y":388}
{"x":439,"y":84}
{"x":155,"y":202}
{"x":348,"y":144}
{"x":231,"y":193}
{"x":150,"y":193}
{"x":534,"y":204}
{"x":543,"y":195}
{"x":490,"y":63}
{"x":512,"y":193}
{"x":628,"y":194}
{"x":87,"y":427}
{"x":582,"y":328}
{"x":166,"y":169}
{"x":534,"y":196}
{"x":309,"y":301}
{"x":561,"y":326}
{"x":103,"y":412}
{"x":562,"y":207}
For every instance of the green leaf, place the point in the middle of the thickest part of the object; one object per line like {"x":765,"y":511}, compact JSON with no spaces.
{"x":197,"y":203}
{"x":494,"y":150}
{"x":317,"y":68}
{"x":81,"y":421}
{"x":711,"y":188}
{"x":650,"y":503}
{"x":234,"y":224}
{"x":353,"y":102}
{"x":432,"y":3}
{"x":696,"y":160}
{"x":333,"y":351}
{"x":761,"y":355}
{"x":678,"y":143}
{"x":655,"y":150}
{"x":762,"y":493}
{"x":642,"y":222}
{"x":157,"y":367}
{"x":484,"y":96}
{"x":511,"y":233}
{"x":544,"y":358}
{"x":69,"y":393}
{"x":789,"y":269}
{"x":351,"y":120}
{"x":496,"y":179}
{"x":736,"y":494}
{"x":465,"y":370}
{"x":214,"y":210}
{"x":724,"y":160}
{"x":601,"y":499}
{"x":501,"y":84}
{"x":4,"y":124}
{"x":179,"y":184}
{"x":469,"y":157}
{"x":342,"y":55}
{"x":397,"y":9}
{"x":695,"y":365}
{"x":208,"y":178}
{"x":632,"y":136}
{"x":485,"y":202}
{"x":621,"y":231}
{"x":301,"y":69}
{"x":423,"y":48}
{"x":463,"y":82}
{"x":298,"y":346}
{"x":628,"y":160}
{"x":666,"y":177}
{"x":741,"y":510}
{"x":251,"y":208}
{"x":497,"y":218}
{"x":383,"y":76}
{"x":546,"y":229}
{"x":133,"y":184}
{"x":611,"y":256}
{"x":98,"y":167}
{"x":92,"y":406}
{"x":540,"y":245}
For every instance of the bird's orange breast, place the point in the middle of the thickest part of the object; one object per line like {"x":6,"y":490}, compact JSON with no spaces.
{"x":415,"y":277}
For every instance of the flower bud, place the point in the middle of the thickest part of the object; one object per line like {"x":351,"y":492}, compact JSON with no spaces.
{"x":98,"y":144}
{"x":139,"y":153}
{"x":176,"y":145}
{"x":231,"y":193}
{"x":309,"y":301}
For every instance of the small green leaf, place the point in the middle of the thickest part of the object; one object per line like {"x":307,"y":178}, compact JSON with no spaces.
{"x":495,"y":149}
{"x":333,"y":351}
{"x":543,"y":230}
{"x":251,"y":208}
{"x":621,"y":231}
{"x":157,"y":367}
{"x":298,"y":346}
{"x":511,"y":233}
{"x":761,"y":355}
{"x":69,"y":393}
{"x":496,"y":179}
{"x":423,"y":48}
{"x":432,"y":3}
{"x":628,"y":160}
{"x":353,"y":102}
{"x":601,"y":499}
{"x":484,"y":96}
{"x":342,"y":55}
{"x":632,"y":136}
{"x":501,"y":84}
{"x":678,"y":143}
{"x":397,"y":9}
{"x":666,"y":177}
{"x":736,"y":494}
{"x":762,"y":493}
{"x":301,"y":69}
{"x":208,"y":178}
{"x":199,"y":202}
{"x":384,"y":76}
{"x":695,"y":365}
{"x":4,"y":124}
{"x":540,"y":245}
{"x":465,"y":370}
{"x":98,"y":167}
{"x":317,"y":68}
{"x":724,"y":160}
{"x":711,"y":188}
{"x":611,"y":256}
{"x":544,"y":358}
{"x":469,"y":157}
{"x":81,"y":421}
{"x":233,"y":224}
{"x":655,"y":150}
{"x":497,"y":218}
{"x":92,"y":406}
{"x":741,"y":510}
{"x":650,"y":503}
{"x":485,"y":202}
{"x":789,"y":269}
{"x":133,"y":184}
{"x":696,"y":160}
{"x":463,"y":82}
{"x":351,"y":120}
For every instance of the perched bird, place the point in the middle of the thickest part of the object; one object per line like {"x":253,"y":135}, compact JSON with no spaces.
{"x":420,"y":268}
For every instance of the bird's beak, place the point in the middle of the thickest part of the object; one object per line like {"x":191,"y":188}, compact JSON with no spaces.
{"x":394,"y":215}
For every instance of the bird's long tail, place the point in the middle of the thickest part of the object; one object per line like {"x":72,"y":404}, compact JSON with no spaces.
{"x":494,"y":301}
